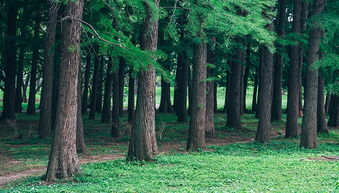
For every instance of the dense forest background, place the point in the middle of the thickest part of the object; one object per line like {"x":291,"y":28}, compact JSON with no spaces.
{"x":126,"y":62}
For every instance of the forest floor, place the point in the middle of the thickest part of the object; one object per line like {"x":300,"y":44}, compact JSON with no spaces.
{"x":23,"y":154}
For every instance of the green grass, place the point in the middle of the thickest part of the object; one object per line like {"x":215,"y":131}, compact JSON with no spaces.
{"x":279,"y":166}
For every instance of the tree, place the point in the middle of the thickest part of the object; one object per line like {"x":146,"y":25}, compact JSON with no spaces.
{"x":65,"y":164}
{"x":321,"y":115}
{"x":105,"y":116}
{"x":131,"y":98}
{"x":143,"y":144}
{"x":86,"y":84}
{"x":94,"y":85}
{"x":45,"y":121}
{"x":292,"y":127}
{"x":309,"y":125}
{"x":116,"y":101}
{"x":334,"y":114}
{"x":10,"y":65}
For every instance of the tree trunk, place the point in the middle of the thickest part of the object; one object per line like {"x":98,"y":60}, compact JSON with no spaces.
{"x":334,"y":113}
{"x":309,"y":124}
{"x":261,"y":61}
{"x":80,"y":137}
{"x":131,"y":98}
{"x":94,"y":86}
{"x":327,"y":103}
{"x":321,"y":115}
{"x":196,"y":135}
{"x":245,"y":89}
{"x":45,"y":121}
{"x":143,"y":144}
{"x":182,"y":84}
{"x":278,"y":64}
{"x":227,"y":90}
{"x":242,"y":85}
{"x":233,"y":111}
{"x":292,"y":128}
{"x":106,"y":111}
{"x":98,"y":104}
{"x":19,"y":81}
{"x":86,"y":85}
{"x":165,"y":101}
{"x":265,"y":96}
{"x":255,"y":90}
{"x":34,"y":69}
{"x":63,"y":161}
{"x":115,"y":110}
{"x":122,"y":66}
{"x":10,"y":65}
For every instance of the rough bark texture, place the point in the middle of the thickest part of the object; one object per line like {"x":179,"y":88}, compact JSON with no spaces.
{"x":265,"y":96}
{"x":321,"y":115}
{"x":122,"y":65}
{"x":131,"y":98}
{"x":334,"y":113}
{"x":196,"y":134}
{"x":10,"y":64}
{"x":63,"y":161}
{"x":292,"y":128}
{"x":278,"y":64}
{"x":115,"y":109}
{"x":105,"y":116}
{"x":94,"y":86}
{"x":86,"y":85}
{"x":309,"y":124}
{"x":143,"y":144}
{"x":233,"y":107}
{"x":45,"y":121}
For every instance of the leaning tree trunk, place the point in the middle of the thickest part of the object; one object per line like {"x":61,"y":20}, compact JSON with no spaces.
{"x":265,"y":96}
{"x":278,"y":64}
{"x":309,"y":124}
{"x":86,"y":85}
{"x":94,"y":86}
{"x":45,"y":121}
{"x":321,"y":115}
{"x":10,"y":65}
{"x":233,"y":104}
{"x":334,"y":113}
{"x":63,"y":161}
{"x":105,"y":116}
{"x":196,"y":135}
{"x":143,"y":144}
{"x":34,"y":69}
{"x":131,"y":98}
{"x":292,"y":127}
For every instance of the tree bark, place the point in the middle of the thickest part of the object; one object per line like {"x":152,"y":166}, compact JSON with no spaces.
{"x":98,"y":104}
{"x":131,"y":98}
{"x":196,"y":135}
{"x":94,"y":86}
{"x":278,"y":64}
{"x":10,"y":65}
{"x":265,"y":96}
{"x":182,"y":84}
{"x":334,"y":113}
{"x":292,"y":127}
{"x":255,"y":90}
{"x":122,"y":66}
{"x":86,"y":85}
{"x":321,"y":115}
{"x":63,"y":161}
{"x":80,"y":136}
{"x":19,"y":81}
{"x":105,"y":116}
{"x":309,"y":124}
{"x":227,"y":90}
{"x":116,"y":102}
{"x":210,"y":99}
{"x":143,"y":144}
{"x":45,"y":121}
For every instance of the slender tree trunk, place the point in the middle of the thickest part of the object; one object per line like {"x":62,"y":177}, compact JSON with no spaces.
{"x":98,"y":104}
{"x":278,"y":64}
{"x":334,"y":113}
{"x":94,"y":86}
{"x":122,"y":66}
{"x":255,"y":90}
{"x":116,"y":102}
{"x":242,"y":85}
{"x":215,"y":97}
{"x":80,"y":136}
{"x":45,"y":121}
{"x":182,"y":84}
{"x":106,"y":111}
{"x":131,"y":98}
{"x":292,"y":128}
{"x":265,"y":96}
{"x":245,"y":89}
{"x":57,"y":61}
{"x":63,"y":161}
{"x":233,"y":111}
{"x":86,"y":85}
{"x":10,"y":65}
{"x":321,"y":115}
{"x":327,"y":103}
{"x":227,"y":91}
{"x":309,"y":124}
{"x":143,"y":144}
{"x":34,"y":69}
{"x":19,"y":82}
{"x":165,"y":100}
